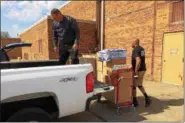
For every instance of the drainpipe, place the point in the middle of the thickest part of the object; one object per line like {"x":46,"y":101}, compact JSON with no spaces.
{"x":98,"y":18}
{"x":102,"y":25}
{"x":153,"y":42}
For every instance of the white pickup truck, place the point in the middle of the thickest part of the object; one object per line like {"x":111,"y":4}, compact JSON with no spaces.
{"x":44,"y":90}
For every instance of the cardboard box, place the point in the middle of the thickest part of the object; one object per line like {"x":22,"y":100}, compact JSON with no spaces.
{"x":107,"y":66}
{"x":106,"y":70}
{"x":118,"y":61}
{"x":100,"y":76}
{"x":114,"y":62}
{"x":99,"y":65}
{"x":123,"y":92}
{"x":124,"y":89}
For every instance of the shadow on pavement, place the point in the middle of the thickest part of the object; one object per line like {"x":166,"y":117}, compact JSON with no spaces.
{"x":157,"y":105}
{"x":80,"y":117}
{"x":107,"y":111}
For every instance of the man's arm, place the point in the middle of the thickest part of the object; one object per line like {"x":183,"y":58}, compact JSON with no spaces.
{"x":138,"y":63}
{"x":55,"y":38}
{"x":75,"y":27}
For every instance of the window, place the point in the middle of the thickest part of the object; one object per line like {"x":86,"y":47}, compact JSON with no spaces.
{"x":177,"y":12}
{"x":40,"y":45}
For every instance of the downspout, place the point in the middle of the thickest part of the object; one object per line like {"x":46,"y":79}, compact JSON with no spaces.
{"x":153,"y":40}
{"x":102,"y":25}
{"x":98,"y":18}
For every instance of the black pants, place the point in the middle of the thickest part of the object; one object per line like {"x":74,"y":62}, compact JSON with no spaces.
{"x":65,"y":54}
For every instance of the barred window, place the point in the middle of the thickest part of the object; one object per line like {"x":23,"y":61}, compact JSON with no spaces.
{"x":177,"y":12}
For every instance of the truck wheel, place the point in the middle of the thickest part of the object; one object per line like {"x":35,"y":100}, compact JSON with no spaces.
{"x":30,"y":115}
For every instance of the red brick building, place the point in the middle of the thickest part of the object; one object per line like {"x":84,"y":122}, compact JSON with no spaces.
{"x":124,"y":21}
{"x":40,"y":34}
{"x":15,"y":53}
{"x":147,"y":20}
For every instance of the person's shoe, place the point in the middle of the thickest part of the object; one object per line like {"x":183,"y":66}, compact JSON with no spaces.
{"x":148,"y":102}
{"x":135,"y":103}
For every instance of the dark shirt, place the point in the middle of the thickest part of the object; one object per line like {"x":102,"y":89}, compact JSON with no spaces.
{"x":139,"y":52}
{"x":65,"y":32}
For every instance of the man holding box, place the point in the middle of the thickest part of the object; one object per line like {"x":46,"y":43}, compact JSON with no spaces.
{"x":139,"y":68}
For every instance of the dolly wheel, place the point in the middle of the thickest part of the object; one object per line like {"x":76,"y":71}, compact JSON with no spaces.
{"x":118,"y":111}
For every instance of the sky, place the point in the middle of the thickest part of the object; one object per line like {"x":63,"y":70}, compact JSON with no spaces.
{"x":16,"y":16}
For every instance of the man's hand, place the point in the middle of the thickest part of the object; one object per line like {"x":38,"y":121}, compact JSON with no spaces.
{"x":136,"y":72}
{"x":75,"y":46}
{"x":136,"y":75}
{"x":55,"y":49}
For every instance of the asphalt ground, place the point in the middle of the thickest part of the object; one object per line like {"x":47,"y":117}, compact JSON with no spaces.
{"x":167,"y":105}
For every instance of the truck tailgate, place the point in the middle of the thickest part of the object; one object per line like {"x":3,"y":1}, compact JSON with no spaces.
{"x":100,"y":87}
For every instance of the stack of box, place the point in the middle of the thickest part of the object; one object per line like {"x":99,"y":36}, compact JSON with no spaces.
{"x":109,"y":70}
{"x":104,"y":67}
{"x":106,"y":59}
{"x":99,"y":70}
{"x":122,"y":78}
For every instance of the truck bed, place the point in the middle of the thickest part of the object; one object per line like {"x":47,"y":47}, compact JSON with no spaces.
{"x":27,"y":64}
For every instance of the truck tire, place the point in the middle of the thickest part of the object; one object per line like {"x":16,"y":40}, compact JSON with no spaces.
{"x":30,"y":115}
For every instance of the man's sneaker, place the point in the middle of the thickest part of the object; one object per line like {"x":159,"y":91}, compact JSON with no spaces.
{"x":148,"y":102}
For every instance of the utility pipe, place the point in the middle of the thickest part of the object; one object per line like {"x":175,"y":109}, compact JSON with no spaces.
{"x":98,"y":19}
{"x":102,"y":25}
{"x":153,"y":42}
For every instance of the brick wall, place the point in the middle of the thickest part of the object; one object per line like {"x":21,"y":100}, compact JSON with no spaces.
{"x":88,"y":40}
{"x":82,"y":10}
{"x":162,"y":25}
{"x":85,"y":11}
{"x":162,"y":19}
{"x":125,"y":21}
{"x":125,"y":24}
{"x":42,"y":31}
{"x":38,"y":51}
{"x":128,"y":20}
{"x":15,"y":53}
{"x":52,"y":54}
{"x":85,"y":14}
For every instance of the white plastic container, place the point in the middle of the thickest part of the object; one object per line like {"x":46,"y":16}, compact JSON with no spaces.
{"x":108,"y":54}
